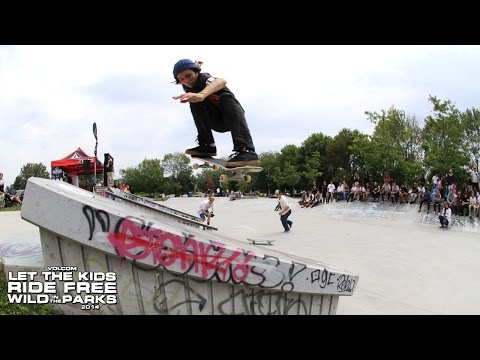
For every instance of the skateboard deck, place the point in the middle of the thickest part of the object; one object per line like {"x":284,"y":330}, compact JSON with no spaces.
{"x":236,"y":173}
{"x":261,"y":241}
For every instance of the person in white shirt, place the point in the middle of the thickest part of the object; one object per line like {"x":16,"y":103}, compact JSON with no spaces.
{"x":331,"y":192}
{"x":285,"y":211}
{"x":205,"y":210}
{"x":474,"y":178}
{"x":446,"y":217}
{"x":473,"y":205}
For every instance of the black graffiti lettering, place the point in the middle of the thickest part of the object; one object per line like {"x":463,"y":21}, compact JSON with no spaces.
{"x":292,"y":272}
{"x":288,"y":286}
{"x":101,"y":216}
{"x":323,"y":277}
{"x":104,"y":219}
{"x":160,"y":304}
{"x":89,"y":214}
{"x":345,"y":284}
{"x":137,"y":239}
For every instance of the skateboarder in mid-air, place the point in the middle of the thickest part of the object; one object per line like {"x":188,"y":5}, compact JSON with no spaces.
{"x":214,"y":107}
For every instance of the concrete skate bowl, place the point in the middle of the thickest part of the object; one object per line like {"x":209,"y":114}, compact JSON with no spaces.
{"x":164,"y":266}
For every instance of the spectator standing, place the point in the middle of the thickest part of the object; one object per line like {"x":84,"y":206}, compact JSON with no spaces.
{"x":450,"y":178}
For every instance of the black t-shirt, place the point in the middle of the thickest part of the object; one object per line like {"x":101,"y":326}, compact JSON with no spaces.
{"x":450,"y":179}
{"x":203,"y":80}
{"x":109,"y":165}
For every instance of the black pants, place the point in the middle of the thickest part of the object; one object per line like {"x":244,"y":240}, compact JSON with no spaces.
{"x":227,"y":115}
{"x":285,"y":222}
{"x":425,"y":201}
{"x":475,"y":186}
{"x":443,"y":220}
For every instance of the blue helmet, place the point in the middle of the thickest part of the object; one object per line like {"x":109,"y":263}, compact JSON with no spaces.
{"x":184,"y":64}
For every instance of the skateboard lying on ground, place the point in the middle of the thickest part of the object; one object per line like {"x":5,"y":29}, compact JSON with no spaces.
{"x":236,"y":173}
{"x":261,"y":241}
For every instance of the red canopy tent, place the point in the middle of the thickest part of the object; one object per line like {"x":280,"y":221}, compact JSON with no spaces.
{"x":73,"y":163}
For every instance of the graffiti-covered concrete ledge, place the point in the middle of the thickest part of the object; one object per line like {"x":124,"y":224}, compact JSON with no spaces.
{"x":166,"y":266}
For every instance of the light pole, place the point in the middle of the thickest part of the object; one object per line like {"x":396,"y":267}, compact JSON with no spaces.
{"x":95,"y":153}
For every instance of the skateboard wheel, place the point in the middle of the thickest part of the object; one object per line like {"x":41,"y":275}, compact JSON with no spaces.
{"x":195,"y":166}
{"x":223,"y":178}
{"x":215,"y":167}
{"x":247,"y":178}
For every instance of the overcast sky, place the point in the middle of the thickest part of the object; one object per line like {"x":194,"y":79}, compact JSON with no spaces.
{"x":50,"y":96}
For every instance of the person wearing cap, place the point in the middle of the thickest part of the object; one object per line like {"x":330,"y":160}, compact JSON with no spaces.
{"x":285,"y":211}
{"x":205,"y":210}
{"x":214,"y":107}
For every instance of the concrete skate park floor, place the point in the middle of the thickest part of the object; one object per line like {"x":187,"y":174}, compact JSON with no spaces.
{"x":405,"y":267}
{"x":406,"y":264}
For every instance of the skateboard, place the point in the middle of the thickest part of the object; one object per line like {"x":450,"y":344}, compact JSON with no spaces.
{"x":236,"y":173}
{"x":261,"y":241}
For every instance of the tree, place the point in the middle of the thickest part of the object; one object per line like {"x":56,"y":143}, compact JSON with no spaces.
{"x":285,"y":172}
{"x":287,"y":176}
{"x":264,"y":181}
{"x":146,"y":177}
{"x":200,"y":180}
{"x":312,"y":168}
{"x":177,"y":166}
{"x":341,"y":162}
{"x":444,"y":139}
{"x":395,"y":145}
{"x":311,"y":158}
{"x":29,"y":170}
{"x":470,"y":120}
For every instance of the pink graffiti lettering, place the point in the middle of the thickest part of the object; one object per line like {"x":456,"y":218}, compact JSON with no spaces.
{"x":198,"y":258}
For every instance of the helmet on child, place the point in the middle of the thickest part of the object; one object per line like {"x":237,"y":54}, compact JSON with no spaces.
{"x":184,"y":64}
{"x":277,"y":192}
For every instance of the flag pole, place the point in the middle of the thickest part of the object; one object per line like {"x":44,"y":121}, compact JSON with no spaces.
{"x":95,"y":152}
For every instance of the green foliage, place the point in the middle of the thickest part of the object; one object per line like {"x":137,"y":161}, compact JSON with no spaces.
{"x":178,"y":167}
{"x":201,"y":179}
{"x":443,"y":139}
{"x":312,"y":168}
{"x":395,"y":145}
{"x":285,"y":173}
{"x":29,"y":170}
{"x":286,"y":176}
{"x":470,"y":123}
{"x":311,"y":158}
{"x":264,"y":181}
{"x":16,"y":207}
{"x":449,"y":139}
{"x":146,"y":177}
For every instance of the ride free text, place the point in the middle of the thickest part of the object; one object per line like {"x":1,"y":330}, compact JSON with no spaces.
{"x":61,"y":285}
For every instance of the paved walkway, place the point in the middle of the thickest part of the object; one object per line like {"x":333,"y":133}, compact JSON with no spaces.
{"x":406,"y":264}
{"x":19,"y":241}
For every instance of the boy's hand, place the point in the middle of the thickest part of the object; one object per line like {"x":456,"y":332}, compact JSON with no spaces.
{"x":190,"y":97}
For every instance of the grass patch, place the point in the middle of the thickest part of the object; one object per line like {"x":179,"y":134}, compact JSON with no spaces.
{"x":12,"y":208}
{"x":20,"y":309}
